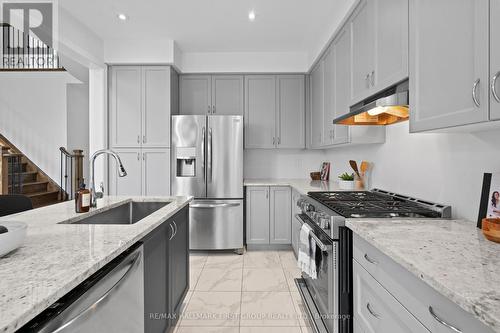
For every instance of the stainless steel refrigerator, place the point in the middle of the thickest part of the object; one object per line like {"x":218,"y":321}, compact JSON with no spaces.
{"x":207,"y":163}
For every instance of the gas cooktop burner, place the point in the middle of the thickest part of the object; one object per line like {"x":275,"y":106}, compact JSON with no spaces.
{"x":373,"y":204}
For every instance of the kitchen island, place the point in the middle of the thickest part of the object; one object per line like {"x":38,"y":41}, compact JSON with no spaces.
{"x":56,"y":258}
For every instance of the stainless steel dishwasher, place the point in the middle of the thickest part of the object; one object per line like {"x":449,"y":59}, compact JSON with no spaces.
{"x":111,"y":300}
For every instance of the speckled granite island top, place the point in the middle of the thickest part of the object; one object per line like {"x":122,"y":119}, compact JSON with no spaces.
{"x":55,"y":258}
{"x":452,"y":256}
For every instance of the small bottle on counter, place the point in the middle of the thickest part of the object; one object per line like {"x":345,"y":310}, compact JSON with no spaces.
{"x":82,"y":199}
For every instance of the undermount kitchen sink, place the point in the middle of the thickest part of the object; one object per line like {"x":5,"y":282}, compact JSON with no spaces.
{"x":127,"y":213}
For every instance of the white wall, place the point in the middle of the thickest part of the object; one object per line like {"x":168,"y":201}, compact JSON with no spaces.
{"x":442,"y":167}
{"x":286,"y":163}
{"x":245,"y":62}
{"x":139,"y":51}
{"x":33,"y":115}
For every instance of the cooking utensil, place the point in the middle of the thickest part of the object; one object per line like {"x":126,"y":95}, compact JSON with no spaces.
{"x":354,"y":166}
{"x":364,"y":167}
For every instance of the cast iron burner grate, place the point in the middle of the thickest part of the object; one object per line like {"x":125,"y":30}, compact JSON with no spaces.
{"x":359,"y":204}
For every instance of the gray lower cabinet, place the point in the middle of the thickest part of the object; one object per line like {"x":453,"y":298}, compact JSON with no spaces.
{"x":268,"y":215}
{"x":166,"y":272}
{"x":375,"y":310}
{"x":257,"y":215}
{"x":388,"y":298}
{"x":148,"y":172}
{"x":211,"y":94}
{"x":281,"y":215}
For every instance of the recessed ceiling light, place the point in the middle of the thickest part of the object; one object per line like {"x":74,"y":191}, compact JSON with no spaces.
{"x":251,"y":16}
{"x":122,"y":17}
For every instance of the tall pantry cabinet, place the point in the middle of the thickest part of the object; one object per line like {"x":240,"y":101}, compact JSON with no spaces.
{"x":141,"y":101}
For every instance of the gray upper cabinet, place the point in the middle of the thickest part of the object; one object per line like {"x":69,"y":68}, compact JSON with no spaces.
{"x":391,"y":43}
{"x":125,"y":106}
{"x":140,"y":106}
{"x":257,"y":215}
{"x":211,"y":94}
{"x":449,"y":73}
{"x":495,"y":59}
{"x":341,"y":83}
{"x":274,"y":111}
{"x":260,"y":111}
{"x":363,"y":46}
{"x":317,"y":105}
{"x":156,"y":106}
{"x":281,"y":215}
{"x":227,"y":95}
{"x":195,"y":94}
{"x":379,"y":31}
{"x":337,"y":78}
{"x":291,"y":111}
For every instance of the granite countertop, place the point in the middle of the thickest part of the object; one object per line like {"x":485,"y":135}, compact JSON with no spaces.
{"x":55,"y":258}
{"x":300,"y":185}
{"x":452,"y":256}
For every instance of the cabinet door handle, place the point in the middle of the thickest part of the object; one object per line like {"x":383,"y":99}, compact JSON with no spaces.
{"x":209,"y":109}
{"x":143,"y":139}
{"x":213,"y":109}
{"x":494,"y":88}
{"x":143,"y":156}
{"x":367,"y":81}
{"x":138,"y":139}
{"x":279,"y":140}
{"x":442,"y":322}
{"x":474,"y":91}
{"x":373,"y":313}
{"x":274,"y":141}
{"x":175,"y":229}
{"x":173,"y":232}
{"x":370,"y":260}
{"x":138,"y":156}
{"x":373,"y":78}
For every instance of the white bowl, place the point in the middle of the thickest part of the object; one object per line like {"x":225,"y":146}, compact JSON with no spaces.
{"x":346,"y":184}
{"x":13,"y":238}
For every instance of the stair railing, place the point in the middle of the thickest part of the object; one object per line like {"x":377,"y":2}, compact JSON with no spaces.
{"x":4,"y":170}
{"x":71,"y":172}
{"x":11,"y":166}
{"x":20,"y":51}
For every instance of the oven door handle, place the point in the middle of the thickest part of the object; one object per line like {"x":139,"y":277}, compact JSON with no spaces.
{"x":319,"y":243}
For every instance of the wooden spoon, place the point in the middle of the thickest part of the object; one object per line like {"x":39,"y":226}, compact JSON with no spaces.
{"x":354,"y":166}
{"x":364,"y":167}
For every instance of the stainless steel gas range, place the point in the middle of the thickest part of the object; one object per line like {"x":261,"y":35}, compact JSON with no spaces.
{"x":328,"y":298}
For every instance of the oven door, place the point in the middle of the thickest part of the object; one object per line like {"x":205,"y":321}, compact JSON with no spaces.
{"x":320,"y":295}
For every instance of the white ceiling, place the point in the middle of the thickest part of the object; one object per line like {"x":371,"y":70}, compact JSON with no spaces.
{"x":214,"y":25}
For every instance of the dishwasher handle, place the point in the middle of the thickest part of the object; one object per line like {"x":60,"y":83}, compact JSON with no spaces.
{"x":133,"y":262}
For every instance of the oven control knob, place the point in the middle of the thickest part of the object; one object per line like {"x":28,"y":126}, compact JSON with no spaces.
{"x":310,"y":208}
{"x":324,"y":222}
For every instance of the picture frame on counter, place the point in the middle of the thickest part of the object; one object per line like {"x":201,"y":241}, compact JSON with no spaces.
{"x":325,"y":171}
{"x":489,"y":206}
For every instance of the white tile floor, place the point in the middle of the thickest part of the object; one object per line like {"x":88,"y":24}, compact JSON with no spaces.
{"x":250,"y":293}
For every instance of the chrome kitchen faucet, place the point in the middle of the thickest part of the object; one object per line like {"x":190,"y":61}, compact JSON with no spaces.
{"x":121,"y":172}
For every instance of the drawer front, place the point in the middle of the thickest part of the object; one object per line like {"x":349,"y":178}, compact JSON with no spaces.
{"x":413,"y":293}
{"x":375,"y":310}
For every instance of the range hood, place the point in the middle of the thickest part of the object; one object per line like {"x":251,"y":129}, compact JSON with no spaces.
{"x":385,"y":108}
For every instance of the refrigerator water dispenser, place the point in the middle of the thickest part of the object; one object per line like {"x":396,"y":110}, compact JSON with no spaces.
{"x":186,"y":162}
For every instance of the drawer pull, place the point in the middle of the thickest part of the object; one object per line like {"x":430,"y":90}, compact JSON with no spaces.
{"x":370,"y":260}
{"x":442,"y":322}
{"x":373,"y":313}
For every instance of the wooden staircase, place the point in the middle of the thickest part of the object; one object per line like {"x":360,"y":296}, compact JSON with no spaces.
{"x":34,"y":183}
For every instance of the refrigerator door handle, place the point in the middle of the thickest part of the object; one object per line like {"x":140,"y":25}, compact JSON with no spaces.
{"x":203,"y":154}
{"x":209,"y":153}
